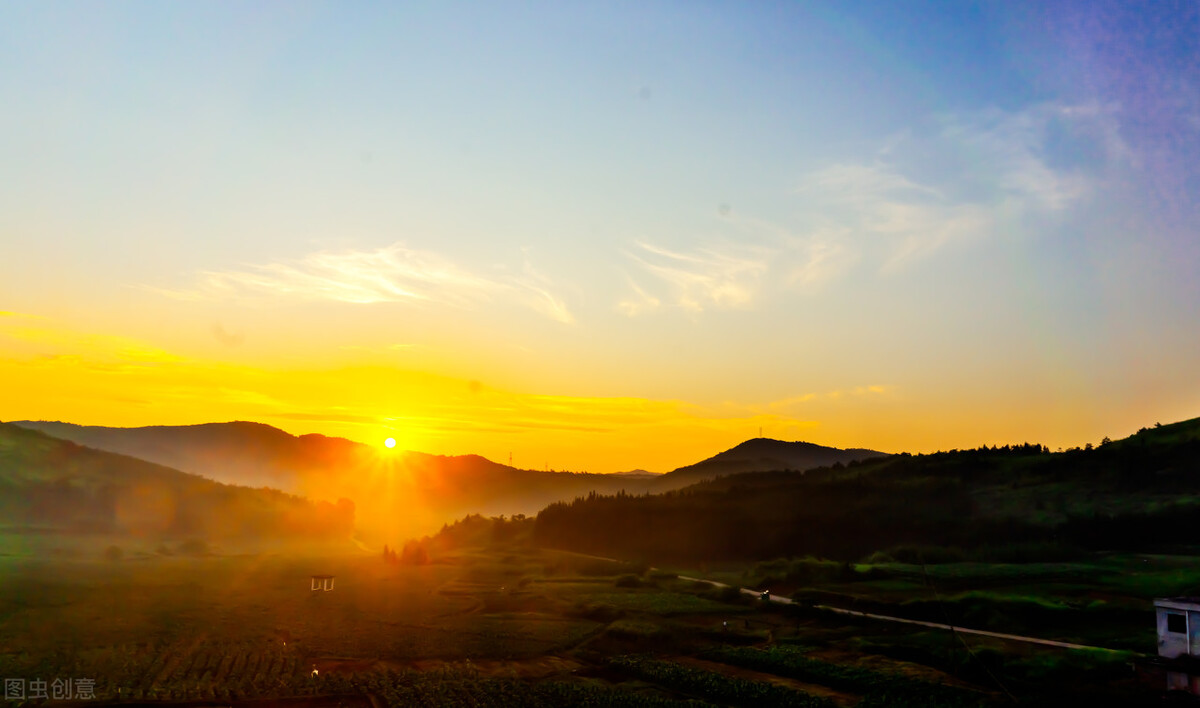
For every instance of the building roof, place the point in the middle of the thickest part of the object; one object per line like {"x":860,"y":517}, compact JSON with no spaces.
{"x":1178,"y":603}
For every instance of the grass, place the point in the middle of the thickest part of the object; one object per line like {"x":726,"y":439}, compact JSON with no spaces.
{"x":660,"y":603}
{"x":153,"y":626}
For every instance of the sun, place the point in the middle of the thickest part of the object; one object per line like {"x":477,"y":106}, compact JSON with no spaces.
{"x":389,"y":443}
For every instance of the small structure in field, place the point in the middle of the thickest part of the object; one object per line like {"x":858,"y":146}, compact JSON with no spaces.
{"x":1178,"y":620}
{"x":1178,"y":626}
{"x":322,"y":582}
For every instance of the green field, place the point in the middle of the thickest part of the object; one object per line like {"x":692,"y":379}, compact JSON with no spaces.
{"x":519,"y":626}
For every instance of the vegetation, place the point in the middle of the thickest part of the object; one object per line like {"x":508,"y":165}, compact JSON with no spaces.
{"x":994,"y":504}
{"x":711,"y":684}
{"x":484,"y":613}
{"x":878,"y":688}
{"x":54,"y":486}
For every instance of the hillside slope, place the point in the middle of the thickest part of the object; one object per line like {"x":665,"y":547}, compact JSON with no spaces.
{"x":239,"y":452}
{"x":49,"y":484}
{"x":762,"y":455}
{"x":396,"y":493}
{"x":1140,"y":493}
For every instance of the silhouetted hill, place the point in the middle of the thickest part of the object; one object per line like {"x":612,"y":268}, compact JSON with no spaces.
{"x":240,"y":452}
{"x":761,"y":455}
{"x":639,"y":474}
{"x":397,"y":493}
{"x":1013,"y":503}
{"x":52,"y":484}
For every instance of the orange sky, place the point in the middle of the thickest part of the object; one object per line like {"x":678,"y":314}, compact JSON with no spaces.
{"x":603,"y":237}
{"x":56,"y":373}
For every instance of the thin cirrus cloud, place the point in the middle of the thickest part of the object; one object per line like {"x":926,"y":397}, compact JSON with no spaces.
{"x":393,"y":273}
{"x":722,"y":277}
{"x":958,"y":179}
{"x":965,"y":178}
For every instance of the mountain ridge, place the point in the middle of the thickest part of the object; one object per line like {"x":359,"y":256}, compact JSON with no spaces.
{"x":50,"y":483}
{"x":763,"y":455}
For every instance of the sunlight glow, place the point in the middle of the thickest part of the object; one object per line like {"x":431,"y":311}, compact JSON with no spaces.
{"x":389,"y":443}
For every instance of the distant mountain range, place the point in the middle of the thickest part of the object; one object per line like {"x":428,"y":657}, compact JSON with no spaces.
{"x":407,"y":492}
{"x":752,"y":501}
{"x":397,"y":494}
{"x":49,"y":485}
{"x":250,"y":454}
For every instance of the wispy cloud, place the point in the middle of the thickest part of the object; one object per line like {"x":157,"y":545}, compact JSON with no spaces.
{"x":534,"y":289}
{"x":832,"y":395}
{"x":957,"y":179}
{"x":393,"y":273}
{"x":639,"y":301}
{"x":58,"y":342}
{"x":716,"y":276}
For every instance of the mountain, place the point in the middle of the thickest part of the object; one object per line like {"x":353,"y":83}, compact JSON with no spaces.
{"x":47,"y":484}
{"x":762,"y":455}
{"x":241,"y":452}
{"x":396,"y":493}
{"x":637,"y":474}
{"x":1009,"y":504}
{"x":406,"y":493}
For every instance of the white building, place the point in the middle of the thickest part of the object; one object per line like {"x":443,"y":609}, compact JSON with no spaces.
{"x":1179,"y":640}
{"x":1178,"y":626}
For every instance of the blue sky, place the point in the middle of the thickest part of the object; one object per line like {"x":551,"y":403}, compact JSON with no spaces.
{"x":978,"y":212}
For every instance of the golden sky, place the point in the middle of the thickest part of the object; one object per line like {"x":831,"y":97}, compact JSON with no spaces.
{"x":602,"y":238}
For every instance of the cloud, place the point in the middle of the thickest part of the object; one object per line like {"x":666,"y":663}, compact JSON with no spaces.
{"x":329,"y":418}
{"x":393,"y":273}
{"x":56,"y":342}
{"x":533,"y":289}
{"x":877,"y":212}
{"x":641,"y":301}
{"x":963,"y":177}
{"x":20,"y":315}
{"x":954,"y":180}
{"x":833,"y":395}
{"x":723,"y":277}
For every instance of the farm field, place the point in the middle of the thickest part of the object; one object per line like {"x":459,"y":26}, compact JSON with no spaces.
{"x":514,"y":625}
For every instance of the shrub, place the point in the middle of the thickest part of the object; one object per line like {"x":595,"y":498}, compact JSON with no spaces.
{"x":629,"y":581}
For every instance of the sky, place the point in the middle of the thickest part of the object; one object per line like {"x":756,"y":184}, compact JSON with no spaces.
{"x":604,"y":236}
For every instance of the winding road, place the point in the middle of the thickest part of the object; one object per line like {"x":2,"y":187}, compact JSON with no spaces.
{"x":904,"y":620}
{"x":884,"y":618}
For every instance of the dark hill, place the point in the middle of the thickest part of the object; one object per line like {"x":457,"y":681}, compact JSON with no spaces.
{"x":397,"y":493}
{"x":761,"y":455}
{"x":1013,"y":503}
{"x":49,"y":484}
{"x":239,"y":452}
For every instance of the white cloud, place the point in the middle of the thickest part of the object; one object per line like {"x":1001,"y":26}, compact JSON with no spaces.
{"x":956,"y":180}
{"x":534,"y":290}
{"x":641,"y":301}
{"x":722,"y":277}
{"x":965,"y":179}
{"x":393,"y":273}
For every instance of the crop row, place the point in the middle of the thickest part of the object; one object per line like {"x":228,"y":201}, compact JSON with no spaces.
{"x":714,"y":685}
{"x":207,"y":673}
{"x":172,"y":671}
{"x":878,"y":689}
